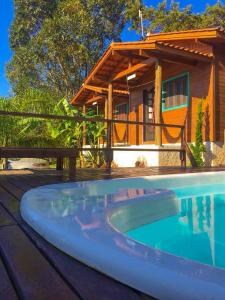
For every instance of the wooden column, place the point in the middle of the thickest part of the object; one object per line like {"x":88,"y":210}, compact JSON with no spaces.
{"x":109,"y":153}
{"x":158,"y":102}
{"x":106,"y":108}
{"x":212,"y":104}
{"x":84,"y":127}
{"x":110,"y":101}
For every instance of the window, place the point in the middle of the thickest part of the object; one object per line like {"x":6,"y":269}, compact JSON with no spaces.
{"x":148,"y":114}
{"x":121,"y":111}
{"x":175,"y":92}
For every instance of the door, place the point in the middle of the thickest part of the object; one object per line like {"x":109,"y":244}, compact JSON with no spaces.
{"x":148,"y":114}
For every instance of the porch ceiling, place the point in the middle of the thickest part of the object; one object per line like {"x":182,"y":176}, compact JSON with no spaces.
{"x":123,"y":59}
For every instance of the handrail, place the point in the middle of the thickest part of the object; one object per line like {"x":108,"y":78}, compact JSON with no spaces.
{"x":84,"y":119}
{"x":109,"y":149}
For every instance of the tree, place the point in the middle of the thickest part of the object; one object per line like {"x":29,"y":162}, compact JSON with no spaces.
{"x":171,"y":17}
{"x":56,"y":43}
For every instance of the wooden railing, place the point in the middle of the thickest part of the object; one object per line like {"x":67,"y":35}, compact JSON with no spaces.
{"x":109,"y":149}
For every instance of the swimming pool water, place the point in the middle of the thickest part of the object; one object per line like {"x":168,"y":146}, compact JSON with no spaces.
{"x":196,"y":232}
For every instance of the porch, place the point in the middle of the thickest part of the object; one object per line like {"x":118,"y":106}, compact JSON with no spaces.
{"x":31,"y":268}
{"x":151,"y":82}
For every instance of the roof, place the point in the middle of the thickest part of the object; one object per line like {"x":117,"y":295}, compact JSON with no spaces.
{"x":204,"y":33}
{"x":172,"y":47}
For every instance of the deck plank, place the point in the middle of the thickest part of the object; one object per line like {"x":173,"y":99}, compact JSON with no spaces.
{"x":91,"y":284}
{"x":5,"y":218}
{"x":10,"y":204}
{"x":33,"y":275}
{"x":7,"y":292}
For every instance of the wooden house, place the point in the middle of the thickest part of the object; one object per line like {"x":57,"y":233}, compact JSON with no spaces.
{"x":161,"y":80}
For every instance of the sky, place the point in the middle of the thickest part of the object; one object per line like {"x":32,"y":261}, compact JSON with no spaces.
{"x":6,"y":17}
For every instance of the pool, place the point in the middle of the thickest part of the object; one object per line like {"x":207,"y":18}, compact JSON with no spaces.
{"x":163,"y":235}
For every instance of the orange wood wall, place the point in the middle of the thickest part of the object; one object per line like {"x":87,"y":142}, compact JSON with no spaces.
{"x":220,"y":92}
{"x":201,"y":86}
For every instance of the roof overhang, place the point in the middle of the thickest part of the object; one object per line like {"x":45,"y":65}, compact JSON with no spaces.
{"x":216,"y":34}
{"x":121,"y":59}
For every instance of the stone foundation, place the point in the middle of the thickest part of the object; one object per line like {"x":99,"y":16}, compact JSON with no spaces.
{"x":214,"y":156}
{"x":168,"y":159}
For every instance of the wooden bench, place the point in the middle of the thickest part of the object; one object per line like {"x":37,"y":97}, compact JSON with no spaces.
{"x":58,"y":153}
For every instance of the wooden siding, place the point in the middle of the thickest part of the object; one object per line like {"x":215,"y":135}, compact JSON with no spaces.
{"x":220,"y":92}
{"x":201,"y":87}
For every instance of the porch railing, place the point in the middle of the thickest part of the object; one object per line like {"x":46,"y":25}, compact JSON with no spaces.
{"x":109,"y":149}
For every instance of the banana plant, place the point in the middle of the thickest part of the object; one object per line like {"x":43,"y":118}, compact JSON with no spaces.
{"x":96,"y":133}
{"x":67,"y":133}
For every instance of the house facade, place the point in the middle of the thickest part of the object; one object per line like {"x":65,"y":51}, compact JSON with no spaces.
{"x":161,"y":80}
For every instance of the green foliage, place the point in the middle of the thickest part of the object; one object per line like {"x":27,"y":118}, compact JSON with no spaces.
{"x":35,"y":101}
{"x":66,"y":133}
{"x":7,"y":125}
{"x":32,"y":132}
{"x":199,"y":148}
{"x":169,"y":16}
{"x":96,"y":134}
{"x":56,"y":43}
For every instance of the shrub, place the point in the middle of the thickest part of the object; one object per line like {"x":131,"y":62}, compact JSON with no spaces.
{"x":198,"y":148}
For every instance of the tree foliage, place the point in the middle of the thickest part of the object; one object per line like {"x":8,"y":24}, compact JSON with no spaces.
{"x":170,"y":16}
{"x":56,"y":43}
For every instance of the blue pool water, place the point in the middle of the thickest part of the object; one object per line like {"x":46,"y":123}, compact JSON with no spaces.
{"x":197,"y":232}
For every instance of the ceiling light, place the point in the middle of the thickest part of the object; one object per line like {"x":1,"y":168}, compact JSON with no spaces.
{"x":131,"y":77}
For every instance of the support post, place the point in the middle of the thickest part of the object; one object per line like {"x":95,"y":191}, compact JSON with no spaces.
{"x":212,"y":104}
{"x":72,"y":167}
{"x":110,"y":102}
{"x":158,"y":102}
{"x":59,"y":163}
{"x":183,"y":148}
{"x":84,"y":142}
{"x":106,"y":108}
{"x":109,"y":151}
{"x":109,"y":129}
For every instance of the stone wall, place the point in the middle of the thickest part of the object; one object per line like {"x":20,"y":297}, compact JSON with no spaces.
{"x":215,"y":154}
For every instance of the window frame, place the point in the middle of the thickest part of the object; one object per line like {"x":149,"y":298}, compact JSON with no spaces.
{"x":188,"y":91}
{"x":121,"y":104}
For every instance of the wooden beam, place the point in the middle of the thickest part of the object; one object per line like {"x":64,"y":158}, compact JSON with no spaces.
{"x":171,"y":58}
{"x":102,"y":90}
{"x":164,"y":48}
{"x":148,"y":62}
{"x":131,"y":55}
{"x":158,"y":101}
{"x":93,"y":99}
{"x":182,"y":53}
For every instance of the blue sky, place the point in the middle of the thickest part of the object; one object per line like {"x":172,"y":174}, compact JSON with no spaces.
{"x":6,"y":16}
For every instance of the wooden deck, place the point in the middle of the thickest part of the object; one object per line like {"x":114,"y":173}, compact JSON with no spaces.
{"x":31,"y":268}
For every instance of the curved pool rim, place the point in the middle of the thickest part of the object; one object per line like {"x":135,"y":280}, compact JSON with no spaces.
{"x":154,"y":272}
